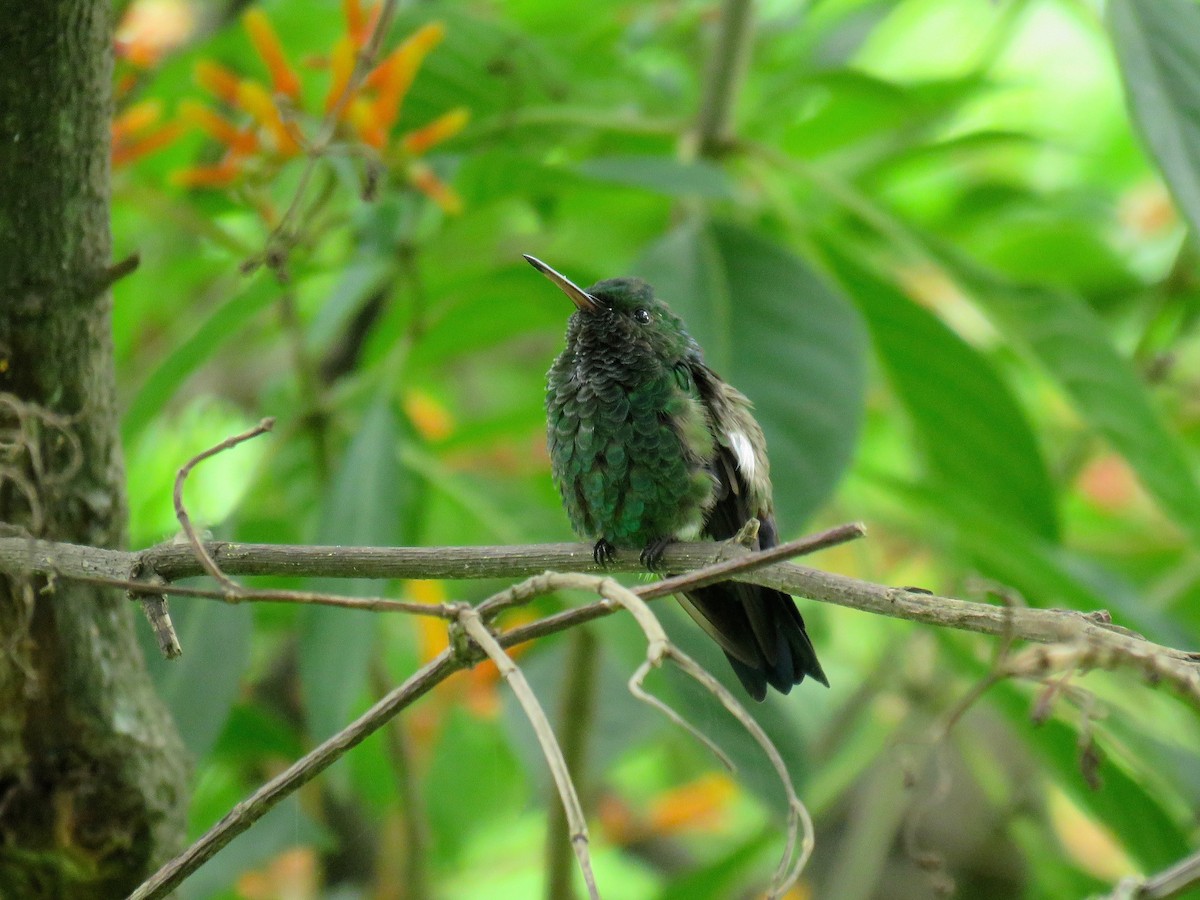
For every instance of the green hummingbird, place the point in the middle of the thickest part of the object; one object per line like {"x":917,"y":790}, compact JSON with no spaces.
{"x":648,"y":446}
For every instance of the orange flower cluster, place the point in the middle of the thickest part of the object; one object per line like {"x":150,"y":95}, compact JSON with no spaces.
{"x":139,"y":130}
{"x":148,"y":31}
{"x":699,"y":806}
{"x":478,"y":688}
{"x":261,"y":120}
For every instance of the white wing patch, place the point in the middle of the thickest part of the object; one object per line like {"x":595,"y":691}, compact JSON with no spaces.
{"x":743,"y":452}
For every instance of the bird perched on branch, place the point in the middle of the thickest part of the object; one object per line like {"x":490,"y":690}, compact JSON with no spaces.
{"x":648,"y":446}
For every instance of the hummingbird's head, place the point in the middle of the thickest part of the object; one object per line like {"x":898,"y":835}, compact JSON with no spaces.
{"x":626,"y":310}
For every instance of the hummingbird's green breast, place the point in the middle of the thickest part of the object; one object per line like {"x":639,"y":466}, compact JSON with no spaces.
{"x":629,"y":440}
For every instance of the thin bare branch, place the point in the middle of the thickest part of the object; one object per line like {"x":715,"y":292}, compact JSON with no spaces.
{"x":1170,"y":882}
{"x":636,"y":682}
{"x":659,"y":648}
{"x":1110,"y":651}
{"x":254,"y":807}
{"x":185,"y":521}
{"x":154,"y":605}
{"x":747,"y":561}
{"x":118,"y":270}
{"x":726,"y":69}
{"x":19,"y":555}
{"x":576,"y":719}
{"x":472,"y":623}
{"x":304,"y":598}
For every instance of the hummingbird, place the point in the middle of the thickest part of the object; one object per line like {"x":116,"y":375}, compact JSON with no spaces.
{"x":648,"y":446}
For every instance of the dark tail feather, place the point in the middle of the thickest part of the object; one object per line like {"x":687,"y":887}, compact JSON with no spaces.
{"x":761,"y":632}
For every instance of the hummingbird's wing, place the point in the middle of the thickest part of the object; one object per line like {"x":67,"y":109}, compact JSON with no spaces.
{"x":759,"y":628}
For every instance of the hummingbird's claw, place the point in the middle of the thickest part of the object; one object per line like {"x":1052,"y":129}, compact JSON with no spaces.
{"x":603,"y":552}
{"x":747,"y":535}
{"x":652,"y":555}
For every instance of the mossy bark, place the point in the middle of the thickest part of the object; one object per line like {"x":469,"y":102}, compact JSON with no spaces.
{"x":93,"y":776}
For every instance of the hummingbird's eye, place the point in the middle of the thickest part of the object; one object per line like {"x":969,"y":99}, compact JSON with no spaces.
{"x":641,"y":315}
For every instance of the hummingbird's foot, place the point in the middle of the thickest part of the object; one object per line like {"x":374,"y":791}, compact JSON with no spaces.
{"x":652,"y":555}
{"x":747,"y":535}
{"x":603,"y":552}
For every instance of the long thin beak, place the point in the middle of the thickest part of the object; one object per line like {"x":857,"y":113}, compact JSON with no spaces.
{"x":581,"y":298}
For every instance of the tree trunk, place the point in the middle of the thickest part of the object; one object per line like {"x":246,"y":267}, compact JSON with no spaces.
{"x":93,"y":776}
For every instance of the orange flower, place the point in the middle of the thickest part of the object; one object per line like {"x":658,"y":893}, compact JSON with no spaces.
{"x":131,"y":152}
{"x":293,"y":873}
{"x":428,"y":415}
{"x":355,"y":21}
{"x":135,"y":118}
{"x":270,"y":50}
{"x":1109,"y":483}
{"x":134,"y":134}
{"x":483,"y":681}
{"x":478,"y":687}
{"x":431,"y":636}
{"x":440,"y":129}
{"x":394,"y":76}
{"x":361,"y":115}
{"x":241,"y":142}
{"x":124,"y":83}
{"x":423,"y":179}
{"x":254,"y":99}
{"x":341,"y":67}
{"x":698,"y":805}
{"x":221,"y":175}
{"x":217,"y":80}
{"x":371,"y":111}
{"x":359,"y":26}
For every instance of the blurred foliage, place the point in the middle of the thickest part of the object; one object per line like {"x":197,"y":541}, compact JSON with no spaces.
{"x":950,"y":267}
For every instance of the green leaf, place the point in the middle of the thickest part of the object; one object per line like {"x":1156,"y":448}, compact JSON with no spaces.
{"x":214,"y":489}
{"x":722,"y":878}
{"x":224,"y":324}
{"x":365,"y":505}
{"x":975,"y":437}
{"x":661,"y":174}
{"x":850,"y":107}
{"x":1069,"y":340}
{"x":1048,"y":575}
{"x":201,"y":686}
{"x":1145,"y":828}
{"x":1158,"y":47}
{"x":473,"y":780}
{"x":1056,"y":877}
{"x":1059,"y":248}
{"x":475,"y":318}
{"x":506,"y":172}
{"x":776,"y":331}
{"x":253,"y":731}
{"x":358,"y":281}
